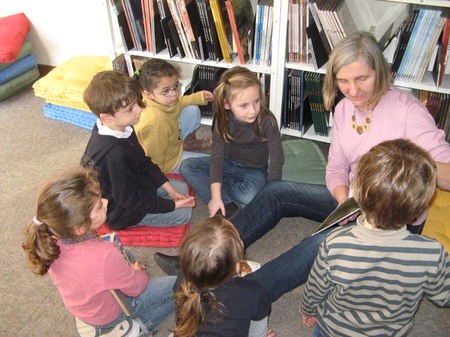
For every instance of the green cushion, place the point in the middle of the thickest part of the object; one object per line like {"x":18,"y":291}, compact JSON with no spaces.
{"x":304,"y":162}
{"x":18,"y":83}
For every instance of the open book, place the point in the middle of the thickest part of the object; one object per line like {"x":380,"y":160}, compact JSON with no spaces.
{"x":343,"y":211}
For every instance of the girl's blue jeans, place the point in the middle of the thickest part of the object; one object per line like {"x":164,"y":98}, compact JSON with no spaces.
{"x":240,"y":183}
{"x":177,"y":217}
{"x":151,"y":307}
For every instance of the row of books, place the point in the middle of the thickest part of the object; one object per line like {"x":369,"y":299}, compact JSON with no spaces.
{"x":303,"y":105}
{"x":438,"y":104}
{"x":323,"y":23}
{"x":217,"y":30}
{"x":418,"y":44}
{"x":206,"y":77}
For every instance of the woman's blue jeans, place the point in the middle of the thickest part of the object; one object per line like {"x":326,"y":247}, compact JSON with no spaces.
{"x":277,"y":200}
{"x":240,"y":183}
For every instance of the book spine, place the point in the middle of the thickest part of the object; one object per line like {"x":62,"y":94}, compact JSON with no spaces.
{"x":206,"y":29}
{"x":186,"y":22}
{"x":179,"y":27}
{"x":218,"y":21}
{"x":236,"y":37}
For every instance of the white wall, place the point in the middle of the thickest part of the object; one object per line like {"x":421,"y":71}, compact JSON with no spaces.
{"x":61,"y":29}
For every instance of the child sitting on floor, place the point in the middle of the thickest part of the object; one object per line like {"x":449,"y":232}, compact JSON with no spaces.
{"x":212,"y":300}
{"x":62,"y":242}
{"x":368,"y":279}
{"x":138,"y":192}
{"x":169,"y":122}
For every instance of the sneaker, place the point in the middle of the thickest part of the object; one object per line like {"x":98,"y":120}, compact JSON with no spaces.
{"x":126,"y":328}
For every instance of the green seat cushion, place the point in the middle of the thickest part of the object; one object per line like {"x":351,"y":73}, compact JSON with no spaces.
{"x":304,"y":162}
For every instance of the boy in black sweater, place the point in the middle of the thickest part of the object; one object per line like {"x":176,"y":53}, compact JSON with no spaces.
{"x":138,"y":192}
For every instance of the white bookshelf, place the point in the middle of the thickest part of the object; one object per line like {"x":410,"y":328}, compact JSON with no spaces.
{"x":427,"y":83}
{"x":279,"y":61}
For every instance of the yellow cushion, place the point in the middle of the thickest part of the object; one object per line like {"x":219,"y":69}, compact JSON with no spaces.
{"x":437,"y":225}
{"x":65,"y":84}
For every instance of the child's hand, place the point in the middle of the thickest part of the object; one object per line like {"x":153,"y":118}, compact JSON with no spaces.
{"x":309,"y":321}
{"x":209,"y":96}
{"x":270,"y":333}
{"x":175,"y":195}
{"x":215,"y":205}
{"x":138,"y":266}
{"x":185,"y":202}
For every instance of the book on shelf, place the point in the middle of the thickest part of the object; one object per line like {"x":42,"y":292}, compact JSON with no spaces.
{"x":124,"y":29}
{"x":157,"y":38}
{"x":342,"y":212}
{"x":135,"y":17}
{"x":344,"y":18}
{"x":319,"y":55}
{"x":429,"y":58}
{"x":173,"y":43}
{"x":263,"y":32}
{"x":443,"y":52}
{"x":205,"y":78}
{"x":148,"y":25}
{"x":119,"y":64}
{"x":176,"y":17}
{"x":423,"y":38}
{"x":404,"y":40}
{"x":240,"y":14}
{"x":210,"y":31}
{"x":296,"y":111}
{"x":221,"y":30}
{"x":297,"y":37}
{"x":197,"y":29}
{"x":318,"y":7}
{"x":313,"y":84}
{"x":318,"y":26}
{"x":187,"y":26}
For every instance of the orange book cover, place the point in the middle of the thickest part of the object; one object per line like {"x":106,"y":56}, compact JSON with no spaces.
{"x":236,"y":37}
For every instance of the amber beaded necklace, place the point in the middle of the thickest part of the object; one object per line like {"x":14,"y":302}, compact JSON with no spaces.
{"x":360,"y":129}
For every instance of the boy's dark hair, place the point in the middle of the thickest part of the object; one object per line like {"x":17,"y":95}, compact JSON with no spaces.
{"x":394,"y":183}
{"x":152,"y":71}
{"x":109,"y":91}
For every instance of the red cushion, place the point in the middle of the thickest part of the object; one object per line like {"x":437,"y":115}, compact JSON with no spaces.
{"x":151,"y":236}
{"x":13,"y":31}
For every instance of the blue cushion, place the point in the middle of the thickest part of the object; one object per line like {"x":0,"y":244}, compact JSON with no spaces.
{"x":17,"y":68}
{"x":74,"y":116}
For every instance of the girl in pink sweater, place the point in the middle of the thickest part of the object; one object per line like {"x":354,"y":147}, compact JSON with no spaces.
{"x":61,"y":240}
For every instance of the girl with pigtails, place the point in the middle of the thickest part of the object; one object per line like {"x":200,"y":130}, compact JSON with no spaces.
{"x":210,"y":298}
{"x":245,"y":137}
{"x":61,"y":241}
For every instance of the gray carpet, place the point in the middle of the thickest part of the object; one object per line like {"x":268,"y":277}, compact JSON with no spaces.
{"x":34,"y":148}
